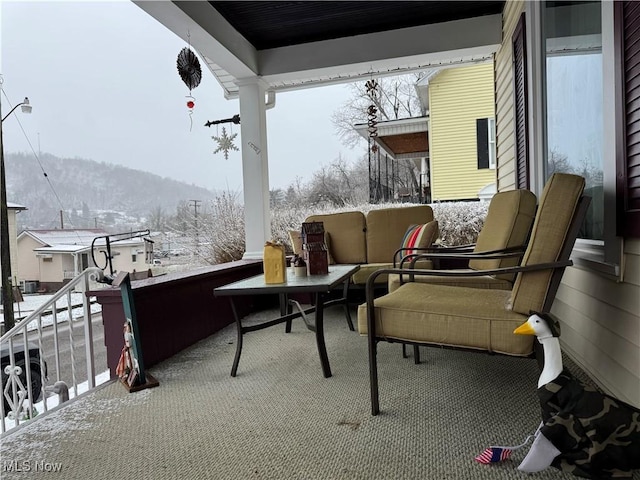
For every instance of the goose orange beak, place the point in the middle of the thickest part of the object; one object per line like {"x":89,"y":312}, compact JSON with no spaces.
{"x":524,"y":329}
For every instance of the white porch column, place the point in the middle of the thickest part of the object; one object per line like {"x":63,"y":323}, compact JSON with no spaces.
{"x":255,"y":166}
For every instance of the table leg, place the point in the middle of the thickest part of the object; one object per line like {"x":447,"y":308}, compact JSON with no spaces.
{"x":322,"y":348}
{"x":285,"y":309}
{"x":345,"y":296}
{"x":236,"y":359}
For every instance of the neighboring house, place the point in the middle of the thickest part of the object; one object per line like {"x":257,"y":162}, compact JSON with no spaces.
{"x":454,"y":145}
{"x":566,"y":98}
{"x":462,"y":142}
{"x":13,"y":209}
{"x":49,"y":258}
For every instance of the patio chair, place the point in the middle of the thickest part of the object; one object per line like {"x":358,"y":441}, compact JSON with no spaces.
{"x":481,"y":318}
{"x":501,"y":243}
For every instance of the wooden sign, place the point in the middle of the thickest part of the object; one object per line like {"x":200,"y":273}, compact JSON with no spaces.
{"x":131,"y":365}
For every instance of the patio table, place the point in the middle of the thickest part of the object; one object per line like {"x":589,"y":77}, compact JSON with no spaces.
{"x":319,"y":285}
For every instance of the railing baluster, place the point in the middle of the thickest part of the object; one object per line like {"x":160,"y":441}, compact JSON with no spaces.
{"x":42,"y":368}
{"x":56,"y":341}
{"x":73,"y":358}
{"x":88,"y":336}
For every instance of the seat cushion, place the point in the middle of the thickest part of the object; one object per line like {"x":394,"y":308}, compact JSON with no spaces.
{"x":454,"y":316}
{"x":484,"y":281}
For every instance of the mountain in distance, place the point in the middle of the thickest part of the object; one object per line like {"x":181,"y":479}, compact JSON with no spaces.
{"x":92,"y":194}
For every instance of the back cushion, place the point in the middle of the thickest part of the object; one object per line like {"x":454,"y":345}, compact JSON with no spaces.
{"x":386,"y":229}
{"x":347,"y":233}
{"x":507,"y":224}
{"x":557,"y":208}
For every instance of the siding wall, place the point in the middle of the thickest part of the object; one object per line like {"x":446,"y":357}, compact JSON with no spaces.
{"x":27,"y":260}
{"x":600,"y":318}
{"x":505,"y":134}
{"x":457,"y":97}
{"x":601,"y":325}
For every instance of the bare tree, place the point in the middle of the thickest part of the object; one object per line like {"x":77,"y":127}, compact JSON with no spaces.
{"x":396,"y":99}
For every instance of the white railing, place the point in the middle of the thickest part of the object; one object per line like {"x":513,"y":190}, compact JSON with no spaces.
{"x":58,"y":354}
{"x":67,"y":274}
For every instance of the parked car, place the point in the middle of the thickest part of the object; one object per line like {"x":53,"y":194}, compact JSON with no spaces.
{"x":34,"y":367}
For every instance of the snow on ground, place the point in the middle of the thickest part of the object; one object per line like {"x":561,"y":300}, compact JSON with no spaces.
{"x":53,"y":400}
{"x":32,"y":302}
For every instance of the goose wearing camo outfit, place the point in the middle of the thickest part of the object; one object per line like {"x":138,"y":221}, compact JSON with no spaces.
{"x":583,"y":431}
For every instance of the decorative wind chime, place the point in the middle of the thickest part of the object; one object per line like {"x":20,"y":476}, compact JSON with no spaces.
{"x":372,"y":113}
{"x":190,"y":73}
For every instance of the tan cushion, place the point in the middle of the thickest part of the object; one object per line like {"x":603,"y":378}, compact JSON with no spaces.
{"x":507,"y":224}
{"x":366,"y":269}
{"x":444,"y":315}
{"x":347,"y":233}
{"x":485,"y":281}
{"x":386,"y":228}
{"x":557,"y":207}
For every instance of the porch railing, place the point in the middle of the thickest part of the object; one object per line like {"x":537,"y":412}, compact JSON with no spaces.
{"x":49,"y":346}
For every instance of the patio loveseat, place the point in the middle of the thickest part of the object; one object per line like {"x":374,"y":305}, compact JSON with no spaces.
{"x":371,"y":240}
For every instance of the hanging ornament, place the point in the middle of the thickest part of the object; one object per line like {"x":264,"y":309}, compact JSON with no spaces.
{"x":189,"y":68}
{"x":191,"y":103}
{"x":372,"y":112}
{"x":225,"y":143}
{"x":190,"y":73}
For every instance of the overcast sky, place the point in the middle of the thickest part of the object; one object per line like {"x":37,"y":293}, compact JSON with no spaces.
{"x":102,"y":79}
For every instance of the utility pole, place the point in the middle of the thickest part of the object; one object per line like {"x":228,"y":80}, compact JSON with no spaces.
{"x":5,"y":251}
{"x":61,"y":221}
{"x":196,"y":204}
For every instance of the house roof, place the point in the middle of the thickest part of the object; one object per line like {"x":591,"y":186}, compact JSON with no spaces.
{"x":74,"y":241}
{"x":49,"y":238}
{"x":291,"y":45}
{"x":15,"y":206}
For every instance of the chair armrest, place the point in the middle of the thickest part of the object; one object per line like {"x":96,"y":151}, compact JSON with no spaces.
{"x":468,"y":248}
{"x":509,"y":252}
{"x":455,"y":273}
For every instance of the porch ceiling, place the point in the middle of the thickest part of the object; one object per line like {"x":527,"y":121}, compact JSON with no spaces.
{"x":292,"y":45}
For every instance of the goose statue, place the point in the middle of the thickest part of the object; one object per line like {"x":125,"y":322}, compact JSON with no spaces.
{"x":583,"y":431}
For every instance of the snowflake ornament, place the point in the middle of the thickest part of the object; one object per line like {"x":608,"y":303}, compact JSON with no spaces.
{"x":225,"y":143}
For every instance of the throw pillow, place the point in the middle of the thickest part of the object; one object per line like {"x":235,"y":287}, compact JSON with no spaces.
{"x":295,"y":237}
{"x":419,"y":236}
{"x":327,"y":242}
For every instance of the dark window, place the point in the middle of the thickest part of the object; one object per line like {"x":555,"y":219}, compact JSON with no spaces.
{"x":482,"y":132}
{"x":520,"y":103}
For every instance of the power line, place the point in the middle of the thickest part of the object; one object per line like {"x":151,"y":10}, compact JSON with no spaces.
{"x":46,"y":176}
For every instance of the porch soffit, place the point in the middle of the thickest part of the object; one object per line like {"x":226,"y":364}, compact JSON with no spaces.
{"x":401,"y":139}
{"x":292,"y":45}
